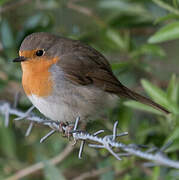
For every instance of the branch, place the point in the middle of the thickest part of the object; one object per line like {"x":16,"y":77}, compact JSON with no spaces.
{"x":86,"y":11}
{"x":13,"y":5}
{"x":38,"y":166}
{"x":108,"y":142}
{"x":92,"y":174}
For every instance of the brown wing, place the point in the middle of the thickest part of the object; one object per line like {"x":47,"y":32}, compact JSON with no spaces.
{"x":84,"y":66}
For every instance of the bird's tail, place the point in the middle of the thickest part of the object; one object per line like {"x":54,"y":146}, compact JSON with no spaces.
{"x":127,"y":93}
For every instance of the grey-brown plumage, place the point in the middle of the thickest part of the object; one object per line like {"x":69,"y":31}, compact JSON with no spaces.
{"x":82,"y":66}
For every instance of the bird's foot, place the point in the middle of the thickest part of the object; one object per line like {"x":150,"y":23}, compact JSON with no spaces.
{"x":66,"y":129}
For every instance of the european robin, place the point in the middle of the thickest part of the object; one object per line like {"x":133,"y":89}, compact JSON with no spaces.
{"x":65,"y":78}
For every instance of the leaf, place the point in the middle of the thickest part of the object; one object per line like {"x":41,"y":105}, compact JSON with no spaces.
{"x":174,"y":147}
{"x":116,"y":38}
{"x":156,"y":173}
{"x":166,"y":33}
{"x":167,"y":17}
{"x":33,"y":21}
{"x":155,"y":93}
{"x":117,"y":4}
{"x":6,"y":35}
{"x":120,"y":66}
{"x":153,"y":50}
{"x":52,"y":173}
{"x":159,"y":96}
{"x":109,"y":174}
{"x":174,"y":138}
{"x":3,"y":2}
{"x":143,"y":107}
{"x":173,"y":89}
{"x":7,"y":141}
{"x":149,"y":49}
{"x":172,"y":175}
{"x":123,"y":6}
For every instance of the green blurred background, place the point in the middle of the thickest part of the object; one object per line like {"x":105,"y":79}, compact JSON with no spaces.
{"x":140,"y":40}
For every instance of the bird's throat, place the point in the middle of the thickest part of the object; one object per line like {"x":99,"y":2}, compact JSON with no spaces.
{"x":36,"y":77}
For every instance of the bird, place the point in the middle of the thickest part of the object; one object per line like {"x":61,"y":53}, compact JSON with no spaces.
{"x":65,"y":79}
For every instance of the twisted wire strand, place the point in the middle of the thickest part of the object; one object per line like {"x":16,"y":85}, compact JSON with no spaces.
{"x":108,"y":142}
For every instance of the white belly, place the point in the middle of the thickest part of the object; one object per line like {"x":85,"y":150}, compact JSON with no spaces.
{"x":67,"y":107}
{"x":55,"y":111}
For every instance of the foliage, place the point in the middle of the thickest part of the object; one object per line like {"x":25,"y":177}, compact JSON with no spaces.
{"x":139,"y":38}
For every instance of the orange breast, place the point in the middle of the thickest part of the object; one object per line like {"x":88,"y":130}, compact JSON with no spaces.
{"x":36,"y":77}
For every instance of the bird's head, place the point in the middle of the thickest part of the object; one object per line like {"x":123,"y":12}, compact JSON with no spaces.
{"x":37,"y":50}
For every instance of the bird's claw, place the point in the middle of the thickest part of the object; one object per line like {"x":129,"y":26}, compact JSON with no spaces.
{"x":66,"y":129}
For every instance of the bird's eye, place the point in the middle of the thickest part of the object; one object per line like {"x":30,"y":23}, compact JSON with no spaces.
{"x":39,"y":52}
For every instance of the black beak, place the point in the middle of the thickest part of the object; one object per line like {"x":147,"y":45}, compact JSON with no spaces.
{"x":20,"y":59}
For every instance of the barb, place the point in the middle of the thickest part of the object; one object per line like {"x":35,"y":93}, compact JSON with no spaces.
{"x":29,"y":129}
{"x":108,"y":142}
{"x":27,"y":113}
{"x":6,"y":114}
{"x":16,"y":99}
{"x":81,"y":149}
{"x":47,"y":135}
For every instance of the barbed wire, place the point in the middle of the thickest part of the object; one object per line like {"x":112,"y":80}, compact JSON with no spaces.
{"x":108,"y":142}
